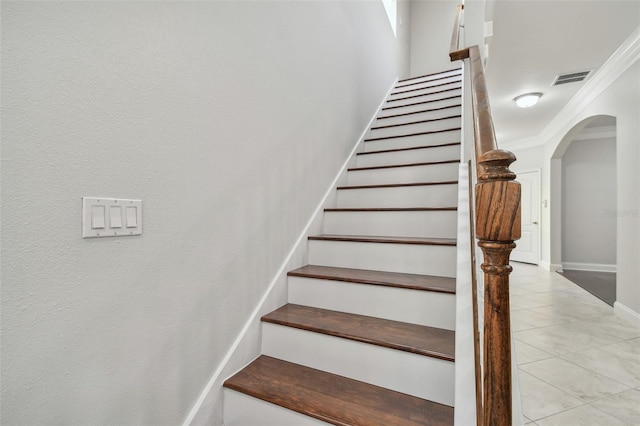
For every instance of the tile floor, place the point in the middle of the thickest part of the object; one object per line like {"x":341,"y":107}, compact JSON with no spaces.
{"x":578,"y":362}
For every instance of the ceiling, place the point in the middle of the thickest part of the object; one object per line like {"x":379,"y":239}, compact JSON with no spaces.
{"x":534,"y":41}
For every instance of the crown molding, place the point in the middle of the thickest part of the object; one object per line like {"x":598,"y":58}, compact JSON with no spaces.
{"x":623,"y":58}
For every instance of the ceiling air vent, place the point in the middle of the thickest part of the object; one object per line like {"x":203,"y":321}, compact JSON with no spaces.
{"x":570,"y":78}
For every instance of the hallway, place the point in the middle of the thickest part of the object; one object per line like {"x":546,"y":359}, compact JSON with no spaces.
{"x":578,"y":362}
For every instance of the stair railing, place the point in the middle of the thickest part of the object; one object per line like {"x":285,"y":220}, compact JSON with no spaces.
{"x":497,"y":226}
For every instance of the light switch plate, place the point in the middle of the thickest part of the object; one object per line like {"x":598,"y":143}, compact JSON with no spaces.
{"x":117,"y":217}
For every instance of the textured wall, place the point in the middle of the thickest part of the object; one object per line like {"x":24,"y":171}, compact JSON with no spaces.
{"x":228,"y":119}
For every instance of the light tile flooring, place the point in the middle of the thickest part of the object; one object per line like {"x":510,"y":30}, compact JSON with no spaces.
{"x":578,"y":362}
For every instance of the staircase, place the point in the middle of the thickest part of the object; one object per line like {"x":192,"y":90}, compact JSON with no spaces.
{"x":367,"y":336}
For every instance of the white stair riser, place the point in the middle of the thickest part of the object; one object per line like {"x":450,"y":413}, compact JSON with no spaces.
{"x":412,"y":174}
{"x":430,"y":78}
{"x":430,"y":114}
{"x":425,"y":89}
{"x":408,"y":99}
{"x":435,"y":224}
{"x":446,"y":99}
{"x":413,"y":306}
{"x":408,"y":258}
{"x":429,"y":126}
{"x":244,"y":410}
{"x":412,"y":141}
{"x":401,"y":196}
{"x":405,"y":372}
{"x":401,"y":87}
{"x":442,"y":153}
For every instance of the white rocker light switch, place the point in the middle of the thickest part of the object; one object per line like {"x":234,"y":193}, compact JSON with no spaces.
{"x":107,"y":217}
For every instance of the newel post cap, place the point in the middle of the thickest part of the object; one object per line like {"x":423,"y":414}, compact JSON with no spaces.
{"x":495,"y":165}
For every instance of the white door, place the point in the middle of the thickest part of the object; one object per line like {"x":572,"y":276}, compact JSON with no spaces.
{"x":528,"y":246}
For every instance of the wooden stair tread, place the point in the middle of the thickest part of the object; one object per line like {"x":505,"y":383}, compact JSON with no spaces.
{"x":386,"y":240}
{"x":430,"y":132}
{"x":420,"y":112}
{"x":422,"y":102}
{"x":399,"y":92}
{"x":391,"y":209}
{"x":334,"y":399}
{"x":413,"y":148}
{"x":402,"y":86}
{"x":414,"y":338}
{"x":416,"y":122}
{"x":429,"y":75}
{"x":393,"y":166}
{"x":424,"y":94}
{"x":396,"y":185}
{"x":383,"y":278}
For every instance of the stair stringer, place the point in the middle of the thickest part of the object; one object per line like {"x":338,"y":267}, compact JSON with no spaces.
{"x":465,"y":386}
{"x":247,"y":345}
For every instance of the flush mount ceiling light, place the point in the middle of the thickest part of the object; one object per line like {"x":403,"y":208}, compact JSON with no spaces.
{"x":527,"y":100}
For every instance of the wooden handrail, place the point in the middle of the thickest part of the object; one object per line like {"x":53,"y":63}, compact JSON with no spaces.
{"x":497,"y":226}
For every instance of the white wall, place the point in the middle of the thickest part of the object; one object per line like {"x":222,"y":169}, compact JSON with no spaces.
{"x":614,"y":93}
{"x":620,"y":99}
{"x":589,"y":204}
{"x":527,"y":159}
{"x":403,"y":37}
{"x":229,"y":120}
{"x":431,"y":28}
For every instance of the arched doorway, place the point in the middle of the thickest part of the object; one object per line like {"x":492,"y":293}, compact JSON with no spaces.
{"x":583,"y":183}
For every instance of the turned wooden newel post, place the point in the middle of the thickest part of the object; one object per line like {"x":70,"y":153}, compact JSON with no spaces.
{"x":497,"y":226}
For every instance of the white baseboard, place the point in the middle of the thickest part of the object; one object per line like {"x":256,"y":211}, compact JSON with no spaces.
{"x":627,"y":313}
{"x":550,"y":266}
{"x":594,"y":267}
{"x":246,"y":346}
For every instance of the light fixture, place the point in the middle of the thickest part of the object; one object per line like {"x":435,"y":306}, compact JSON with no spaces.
{"x":527,"y":100}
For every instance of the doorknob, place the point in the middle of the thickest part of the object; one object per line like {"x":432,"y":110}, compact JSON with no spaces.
{"x":535,"y":223}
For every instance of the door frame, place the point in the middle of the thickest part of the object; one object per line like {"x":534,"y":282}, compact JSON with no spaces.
{"x":538,"y":199}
